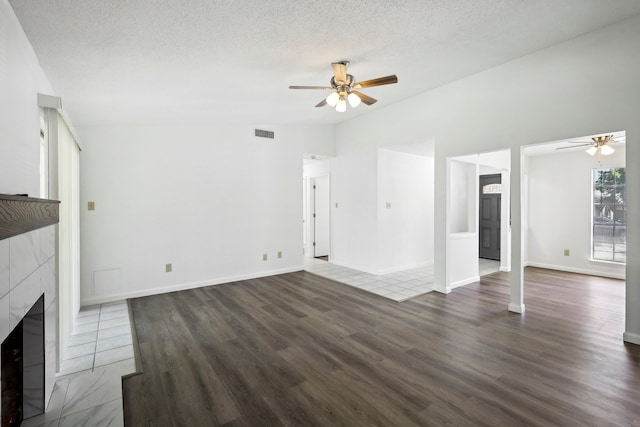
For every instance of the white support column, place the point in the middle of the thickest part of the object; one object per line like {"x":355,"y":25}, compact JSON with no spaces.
{"x":441,"y":225}
{"x":516,"y":300}
{"x":632,"y":297}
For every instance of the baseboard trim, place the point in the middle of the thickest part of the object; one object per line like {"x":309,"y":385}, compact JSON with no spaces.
{"x":184,"y":286}
{"x":516,"y":308}
{"x":465,"y":282}
{"x":505,"y":269}
{"x":441,"y":289}
{"x":631,"y":338}
{"x":577,"y":270}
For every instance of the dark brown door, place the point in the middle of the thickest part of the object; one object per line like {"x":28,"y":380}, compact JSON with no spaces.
{"x":490,"y":196}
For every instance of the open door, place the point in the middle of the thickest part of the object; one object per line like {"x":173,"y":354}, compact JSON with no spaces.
{"x":489,"y":221}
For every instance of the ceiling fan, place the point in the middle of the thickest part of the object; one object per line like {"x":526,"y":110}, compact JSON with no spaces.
{"x":597,"y":143}
{"x":343,"y":88}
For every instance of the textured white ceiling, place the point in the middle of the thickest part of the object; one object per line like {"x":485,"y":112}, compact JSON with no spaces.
{"x":231,"y":61}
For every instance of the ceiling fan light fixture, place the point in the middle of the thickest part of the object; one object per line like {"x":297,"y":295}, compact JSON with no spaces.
{"x":606,"y":150}
{"x":344,"y":87}
{"x":592,"y":150}
{"x":354,"y":100}
{"x":333,"y":98}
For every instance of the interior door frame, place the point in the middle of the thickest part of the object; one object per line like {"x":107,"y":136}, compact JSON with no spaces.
{"x":309,"y":210}
{"x":322,"y":204}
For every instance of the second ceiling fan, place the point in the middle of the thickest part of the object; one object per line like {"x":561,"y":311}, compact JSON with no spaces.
{"x":597,"y":143}
{"x":344,"y":88}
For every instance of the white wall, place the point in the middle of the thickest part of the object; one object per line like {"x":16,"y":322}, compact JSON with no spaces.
{"x":316,"y":168}
{"x":209,"y":200}
{"x":27,"y":261}
{"x":354,"y":226}
{"x":463,"y":262}
{"x":317,"y":140}
{"x":559,"y":210}
{"x":21,"y":79}
{"x":405,"y":225}
{"x":464,"y":202}
{"x":552,"y":94}
{"x":463,"y":179}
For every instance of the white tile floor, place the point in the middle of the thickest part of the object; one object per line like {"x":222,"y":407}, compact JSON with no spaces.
{"x":88,"y":391}
{"x":399,"y":286}
{"x":488,"y":266}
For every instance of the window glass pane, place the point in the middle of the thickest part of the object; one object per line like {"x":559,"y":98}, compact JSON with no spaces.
{"x":620,"y":254}
{"x":609,"y":215}
{"x":492,"y":189}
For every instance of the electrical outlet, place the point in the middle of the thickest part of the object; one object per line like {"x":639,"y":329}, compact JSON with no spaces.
{"x":279,"y":254}
{"x":264,"y":257}
{"x":91,"y":206}
{"x":566,"y":252}
{"x":168,"y":268}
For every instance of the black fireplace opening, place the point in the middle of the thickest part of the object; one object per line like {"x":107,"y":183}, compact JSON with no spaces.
{"x":12,"y":368}
{"x":22,"y":357}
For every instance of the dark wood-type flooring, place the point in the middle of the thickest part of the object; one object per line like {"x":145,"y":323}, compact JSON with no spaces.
{"x":301,"y":350}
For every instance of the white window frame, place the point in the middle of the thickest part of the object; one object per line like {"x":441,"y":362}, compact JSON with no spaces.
{"x":607,"y":217}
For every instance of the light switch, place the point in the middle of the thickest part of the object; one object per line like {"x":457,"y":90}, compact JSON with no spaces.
{"x":91,"y":206}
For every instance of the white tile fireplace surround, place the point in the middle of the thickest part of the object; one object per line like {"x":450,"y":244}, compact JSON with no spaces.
{"x":28,"y":270}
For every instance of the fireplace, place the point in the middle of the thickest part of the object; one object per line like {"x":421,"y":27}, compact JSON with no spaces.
{"x":23,"y":368}
{"x":28,"y":306}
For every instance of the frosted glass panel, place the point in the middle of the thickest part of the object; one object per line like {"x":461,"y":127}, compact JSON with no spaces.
{"x":492,"y":189}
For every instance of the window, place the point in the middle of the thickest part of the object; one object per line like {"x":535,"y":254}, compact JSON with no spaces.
{"x":609,"y":238}
{"x":492,"y":189}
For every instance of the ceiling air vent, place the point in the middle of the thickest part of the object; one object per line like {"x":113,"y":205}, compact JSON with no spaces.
{"x":265,"y":133}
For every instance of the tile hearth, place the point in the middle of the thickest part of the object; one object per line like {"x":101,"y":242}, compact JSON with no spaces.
{"x":88,"y":390}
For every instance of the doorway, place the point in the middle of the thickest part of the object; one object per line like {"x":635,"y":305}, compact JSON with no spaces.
{"x":320,"y":217}
{"x":316,"y":222}
{"x":490,"y":198}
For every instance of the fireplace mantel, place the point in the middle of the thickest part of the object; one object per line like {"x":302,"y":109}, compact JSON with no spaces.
{"x":19,"y":214}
